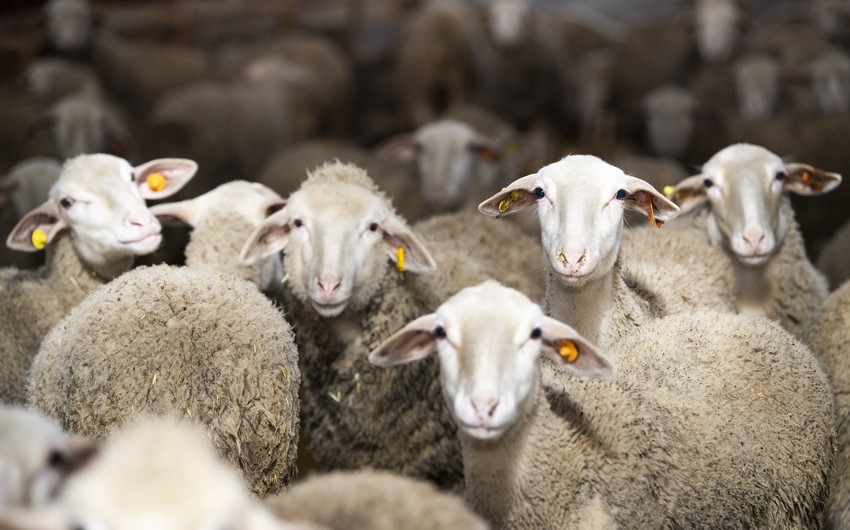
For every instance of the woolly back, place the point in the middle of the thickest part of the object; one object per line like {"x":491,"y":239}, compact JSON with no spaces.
{"x":172,"y":340}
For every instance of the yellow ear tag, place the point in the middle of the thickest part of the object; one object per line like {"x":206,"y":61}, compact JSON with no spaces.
{"x":399,"y":259}
{"x":39,"y":238}
{"x":568,"y":351}
{"x":156,"y":181}
{"x":512,"y":148}
{"x":506,"y":203}
{"x":668,"y":191}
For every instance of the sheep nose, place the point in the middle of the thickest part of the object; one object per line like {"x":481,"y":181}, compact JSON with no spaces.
{"x":328,"y":286}
{"x":753,"y":237}
{"x":485,"y":407}
{"x":572,"y":260}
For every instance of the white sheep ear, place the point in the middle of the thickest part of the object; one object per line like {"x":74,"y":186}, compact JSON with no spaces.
{"x":804,"y":179}
{"x":402,"y":147}
{"x":642,"y":197}
{"x":177,"y":213}
{"x":44,"y":218}
{"x":175,"y":172}
{"x":415,"y":256}
{"x":571,"y":351}
{"x":414,"y":341}
{"x":517,"y":196}
{"x":689,"y":193}
{"x":20,"y":519}
{"x":270,"y":237}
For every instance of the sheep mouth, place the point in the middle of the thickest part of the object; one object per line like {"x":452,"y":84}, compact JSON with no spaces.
{"x":483,"y":432}
{"x":329,"y":310}
{"x":144,"y":245}
{"x":754,"y":260}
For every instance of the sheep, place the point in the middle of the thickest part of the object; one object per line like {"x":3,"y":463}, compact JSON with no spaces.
{"x":662,"y":445}
{"x":339,"y":233}
{"x":830,"y":75}
{"x":221,"y":221}
{"x":85,"y":123}
{"x":829,"y":339}
{"x":373,"y":500}
{"x":748,"y":215}
{"x":157,"y":472}
{"x":69,"y":25}
{"x":581,"y":202}
{"x":834,"y":258}
{"x":669,"y":119}
{"x":54,"y":77}
{"x":718,"y":24}
{"x":100,"y":200}
{"x":756,"y":85}
{"x":435,"y":62}
{"x":185,"y":341}
{"x":35,"y":457}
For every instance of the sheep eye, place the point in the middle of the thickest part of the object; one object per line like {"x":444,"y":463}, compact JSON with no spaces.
{"x":298,"y":223}
{"x":55,"y":459}
{"x":539,"y":193}
{"x":536,"y":333}
{"x":780,"y":175}
{"x":66,"y":202}
{"x":440,"y":332}
{"x":373,"y":227}
{"x":621,"y":194}
{"x":708,"y":183}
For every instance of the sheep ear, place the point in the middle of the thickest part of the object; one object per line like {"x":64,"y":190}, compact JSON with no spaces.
{"x":271,"y":236}
{"x":44,"y":218}
{"x":177,"y":213}
{"x":642,"y":197}
{"x":486,"y":149}
{"x":689,"y":193}
{"x":414,"y":341}
{"x":804,"y":179}
{"x":518,"y":195}
{"x":402,"y":147}
{"x":175,"y":173}
{"x":571,"y":351}
{"x":405,"y":249}
{"x":21,"y":519}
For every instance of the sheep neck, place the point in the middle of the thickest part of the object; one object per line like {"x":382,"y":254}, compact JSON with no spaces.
{"x":589,"y":308}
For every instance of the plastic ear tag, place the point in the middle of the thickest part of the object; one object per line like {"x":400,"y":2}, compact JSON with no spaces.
{"x":806,"y":176}
{"x":285,"y":278}
{"x":156,"y":181}
{"x":649,"y":209}
{"x":399,"y":259}
{"x":39,"y":238}
{"x":568,"y":351}
{"x":669,"y":191}
{"x":512,"y":148}
{"x":506,"y":203}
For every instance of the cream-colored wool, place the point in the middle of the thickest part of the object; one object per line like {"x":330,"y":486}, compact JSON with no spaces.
{"x":373,"y":500}
{"x":194,"y":343}
{"x":829,"y":337}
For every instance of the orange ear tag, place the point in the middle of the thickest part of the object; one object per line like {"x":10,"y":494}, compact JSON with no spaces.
{"x":399,"y":259}
{"x":39,"y":238}
{"x":568,"y":351}
{"x":156,"y":181}
{"x":652,"y":220}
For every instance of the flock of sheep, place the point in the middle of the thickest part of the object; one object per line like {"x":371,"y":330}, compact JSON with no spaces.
{"x":323,"y":288}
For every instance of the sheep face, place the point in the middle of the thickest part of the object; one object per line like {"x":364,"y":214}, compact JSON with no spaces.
{"x":669,"y":119}
{"x":756,"y":85}
{"x":744,"y":186}
{"x":101,"y":198}
{"x":336,"y":241}
{"x":35,"y":457}
{"x":831,"y":82}
{"x":69,"y":23}
{"x":509,"y":22}
{"x":489,"y":339}
{"x":580,"y":201}
{"x":717,"y":25}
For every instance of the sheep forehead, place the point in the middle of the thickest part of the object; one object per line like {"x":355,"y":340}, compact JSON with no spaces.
{"x":582,"y":178}
{"x":444,"y":131}
{"x":343,"y":201}
{"x":742,"y":162}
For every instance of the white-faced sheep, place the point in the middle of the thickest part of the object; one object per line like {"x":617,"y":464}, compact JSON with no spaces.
{"x":35,"y":457}
{"x":718,"y":25}
{"x":85,"y":123}
{"x":343,"y":243}
{"x":53,"y":77}
{"x":581,"y":201}
{"x":830,"y":75}
{"x":756,"y":85}
{"x":669,"y":119}
{"x":92,"y":226}
{"x":373,"y":500}
{"x":184,"y":341}
{"x":221,"y":221}
{"x":748,"y":214}
{"x":155,"y":473}
{"x":829,"y":336}
{"x":688,"y":434}
{"x":69,"y":25}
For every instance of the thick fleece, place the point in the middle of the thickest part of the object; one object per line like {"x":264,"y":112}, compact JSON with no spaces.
{"x":194,"y":343}
{"x":726,"y":427}
{"x":829,"y":337}
{"x":32,"y":302}
{"x":372,"y":500}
